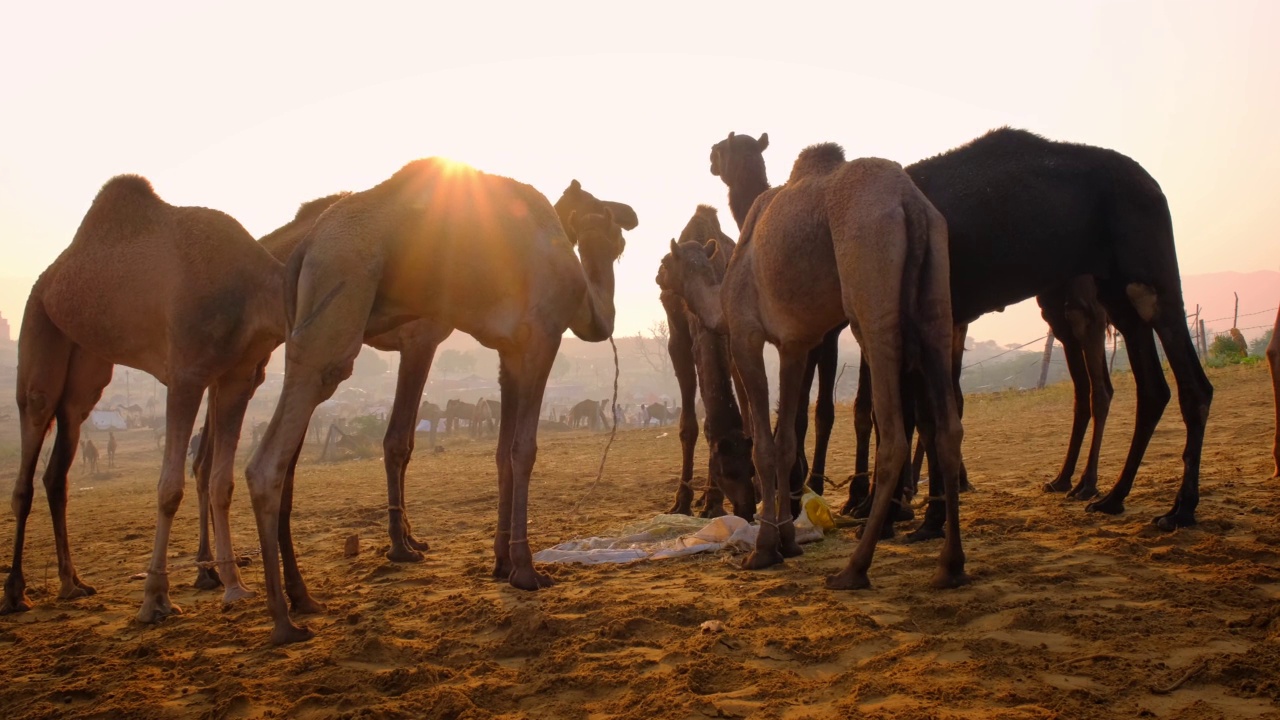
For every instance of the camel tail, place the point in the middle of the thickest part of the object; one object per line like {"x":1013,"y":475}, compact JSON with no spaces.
{"x":913,"y":280}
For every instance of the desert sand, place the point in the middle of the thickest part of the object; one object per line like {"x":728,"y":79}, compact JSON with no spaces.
{"x":1068,"y":615}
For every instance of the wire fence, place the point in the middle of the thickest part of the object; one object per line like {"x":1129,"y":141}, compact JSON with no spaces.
{"x":845,"y":388}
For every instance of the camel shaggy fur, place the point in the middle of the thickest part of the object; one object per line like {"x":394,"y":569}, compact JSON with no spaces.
{"x":183,"y":293}
{"x":841,"y":242}
{"x":464,"y":249}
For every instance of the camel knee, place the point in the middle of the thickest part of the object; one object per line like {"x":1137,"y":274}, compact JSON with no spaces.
{"x":170,"y":497}
{"x":396,"y":448}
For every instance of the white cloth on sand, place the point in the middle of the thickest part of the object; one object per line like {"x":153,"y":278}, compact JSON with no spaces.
{"x":668,"y":536}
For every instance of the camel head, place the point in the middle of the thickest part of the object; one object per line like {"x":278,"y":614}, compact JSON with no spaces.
{"x":728,"y":155}
{"x":576,"y":200}
{"x":689,"y":271}
{"x":599,"y":236}
{"x":731,"y":456}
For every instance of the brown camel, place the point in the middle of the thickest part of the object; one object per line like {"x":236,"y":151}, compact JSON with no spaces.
{"x":456,"y":410}
{"x":1273,"y":361}
{"x":90,"y":456}
{"x":588,"y":413}
{"x":440,"y":241}
{"x":700,"y":359}
{"x":852,"y":242}
{"x":416,"y":342}
{"x":738,"y":161}
{"x":206,"y":314}
{"x":486,"y":418}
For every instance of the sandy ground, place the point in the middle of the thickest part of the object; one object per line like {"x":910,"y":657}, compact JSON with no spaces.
{"x":1069,"y":615}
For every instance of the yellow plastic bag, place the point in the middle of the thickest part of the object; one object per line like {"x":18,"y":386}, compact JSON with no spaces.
{"x":816,"y":508}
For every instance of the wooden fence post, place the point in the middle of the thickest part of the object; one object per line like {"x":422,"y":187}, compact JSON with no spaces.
{"x":1044,"y":365}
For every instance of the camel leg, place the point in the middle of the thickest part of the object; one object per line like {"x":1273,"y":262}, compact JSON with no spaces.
{"x":860,"y":485}
{"x":1094,"y":352}
{"x":44,"y":356}
{"x":1195,"y":394}
{"x":1073,"y":351}
{"x":680,"y":348}
{"x":300,"y":600}
{"x":799,"y":473}
{"x":202,"y":466}
{"x":228,"y":400}
{"x":892,"y":454}
{"x":944,"y":431}
{"x":791,"y":372}
{"x":502,"y":567}
{"x":824,"y":413}
{"x":86,"y":377}
{"x":397,"y":445}
{"x":528,"y":373}
{"x":181,"y":407}
{"x":748,"y":349}
{"x":1273,"y":361}
{"x":1153,"y":396}
{"x":319,"y":355}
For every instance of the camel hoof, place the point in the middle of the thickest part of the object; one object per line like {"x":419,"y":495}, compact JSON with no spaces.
{"x":886,"y":533}
{"x":529,"y":579}
{"x":1173,"y":521}
{"x":945,"y":579}
{"x":306,"y":605}
{"x":404,"y":554}
{"x":848,"y":580}
{"x":760,"y":559}
{"x":155,"y":611}
{"x":1106,"y":505}
{"x":416,"y":544}
{"x":1061,"y":485}
{"x":1084,"y":491}
{"x":924,"y":533}
{"x":791,"y":548}
{"x":207,"y":579}
{"x":236,"y":593}
{"x":19,"y":604}
{"x":502,"y":570}
{"x":713,"y":511}
{"x":76,"y":591}
{"x":290,"y":633}
{"x":965,"y":485}
{"x":680,"y":509}
{"x":904,"y":513}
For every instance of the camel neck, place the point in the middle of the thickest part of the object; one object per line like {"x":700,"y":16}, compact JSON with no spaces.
{"x":594,"y":320}
{"x":743,"y":192}
{"x":712,"y":360}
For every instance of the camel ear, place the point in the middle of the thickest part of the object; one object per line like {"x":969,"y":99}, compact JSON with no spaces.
{"x":731,"y":134}
{"x":673,"y":247}
{"x":575,"y":186}
{"x":763,"y":141}
{"x":710,"y":248}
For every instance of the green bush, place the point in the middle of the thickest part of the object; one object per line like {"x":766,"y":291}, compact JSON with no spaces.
{"x":1258,"y":348}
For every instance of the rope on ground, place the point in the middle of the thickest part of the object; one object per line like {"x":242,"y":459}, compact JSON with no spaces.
{"x":613,"y":410}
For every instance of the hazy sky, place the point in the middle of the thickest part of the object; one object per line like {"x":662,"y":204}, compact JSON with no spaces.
{"x":252,"y":108}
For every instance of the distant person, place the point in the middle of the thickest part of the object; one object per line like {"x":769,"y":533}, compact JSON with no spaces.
{"x":111,"y":449}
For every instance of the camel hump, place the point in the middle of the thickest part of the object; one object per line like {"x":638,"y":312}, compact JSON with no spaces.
{"x":817,"y":160}
{"x":313,"y":208}
{"x":125,"y":201}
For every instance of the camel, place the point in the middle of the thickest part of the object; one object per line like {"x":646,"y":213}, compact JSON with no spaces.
{"x":90,"y":456}
{"x":1273,"y":361}
{"x":996,"y":261}
{"x":111,"y":449}
{"x":842,"y":241}
{"x":700,"y":359}
{"x":1062,"y":210}
{"x":486,"y":418}
{"x":659,"y":412}
{"x":476,"y":252}
{"x":588,"y":413}
{"x":456,"y":410}
{"x":738,"y":161}
{"x":416,"y":342}
{"x":183,"y":293}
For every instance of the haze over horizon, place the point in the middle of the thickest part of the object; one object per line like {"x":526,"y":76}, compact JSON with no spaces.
{"x":253,"y":109}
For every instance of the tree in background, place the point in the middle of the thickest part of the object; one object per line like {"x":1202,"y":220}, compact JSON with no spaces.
{"x":451,"y":362}
{"x":654,"y":348}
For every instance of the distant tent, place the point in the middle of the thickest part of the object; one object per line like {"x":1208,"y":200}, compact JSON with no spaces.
{"x":423,"y":426}
{"x":107,"y":420}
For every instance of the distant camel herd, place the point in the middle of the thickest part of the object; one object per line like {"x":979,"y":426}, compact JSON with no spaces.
{"x":905,"y":257}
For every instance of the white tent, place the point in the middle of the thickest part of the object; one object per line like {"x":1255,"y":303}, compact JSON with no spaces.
{"x":107,"y":420}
